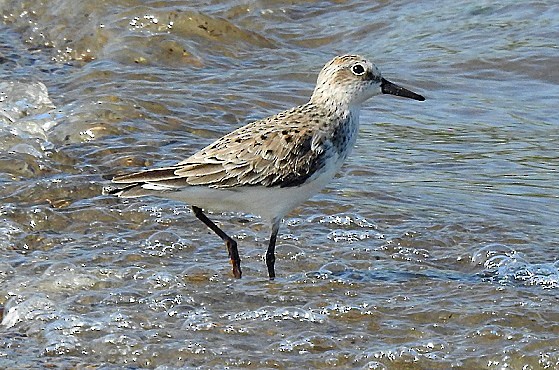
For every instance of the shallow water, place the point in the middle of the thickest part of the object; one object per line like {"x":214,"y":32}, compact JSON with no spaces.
{"x":436,"y":247}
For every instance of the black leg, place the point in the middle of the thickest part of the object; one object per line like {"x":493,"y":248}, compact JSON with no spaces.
{"x":229,"y":242}
{"x":270,"y":253}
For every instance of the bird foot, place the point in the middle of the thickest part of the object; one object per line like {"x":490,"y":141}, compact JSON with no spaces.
{"x":236,"y":268}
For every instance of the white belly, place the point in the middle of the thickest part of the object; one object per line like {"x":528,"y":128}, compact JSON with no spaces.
{"x":272,"y":203}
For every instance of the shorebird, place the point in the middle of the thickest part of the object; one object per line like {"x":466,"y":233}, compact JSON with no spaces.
{"x":270,"y":166}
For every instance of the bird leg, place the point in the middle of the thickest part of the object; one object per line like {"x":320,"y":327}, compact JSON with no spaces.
{"x":270,"y":253}
{"x":229,"y":242}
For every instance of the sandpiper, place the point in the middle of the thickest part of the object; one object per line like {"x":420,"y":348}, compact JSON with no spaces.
{"x":270,"y":166}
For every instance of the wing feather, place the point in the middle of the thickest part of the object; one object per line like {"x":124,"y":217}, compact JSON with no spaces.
{"x":281,"y":150}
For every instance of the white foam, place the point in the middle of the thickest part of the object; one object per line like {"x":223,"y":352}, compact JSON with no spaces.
{"x":32,"y":308}
{"x":26,"y":109}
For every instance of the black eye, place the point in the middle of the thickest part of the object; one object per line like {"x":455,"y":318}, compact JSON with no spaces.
{"x":358,"y":69}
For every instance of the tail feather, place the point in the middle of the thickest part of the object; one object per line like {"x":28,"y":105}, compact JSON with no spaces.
{"x":137,"y":189}
{"x":156,"y":174}
{"x":143,"y":183}
{"x":123,"y":191}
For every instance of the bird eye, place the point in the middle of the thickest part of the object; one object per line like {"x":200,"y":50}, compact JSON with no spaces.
{"x":358,"y":69}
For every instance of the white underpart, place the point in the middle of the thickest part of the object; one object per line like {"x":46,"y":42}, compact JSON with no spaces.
{"x":272,"y":203}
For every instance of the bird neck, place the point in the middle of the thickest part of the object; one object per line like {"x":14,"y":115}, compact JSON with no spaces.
{"x":337,"y":111}
{"x":336,"y":107}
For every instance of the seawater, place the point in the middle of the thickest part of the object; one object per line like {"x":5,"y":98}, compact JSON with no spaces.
{"x":436,"y":247}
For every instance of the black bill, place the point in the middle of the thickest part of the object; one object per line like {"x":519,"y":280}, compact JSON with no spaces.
{"x":388,"y":87}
